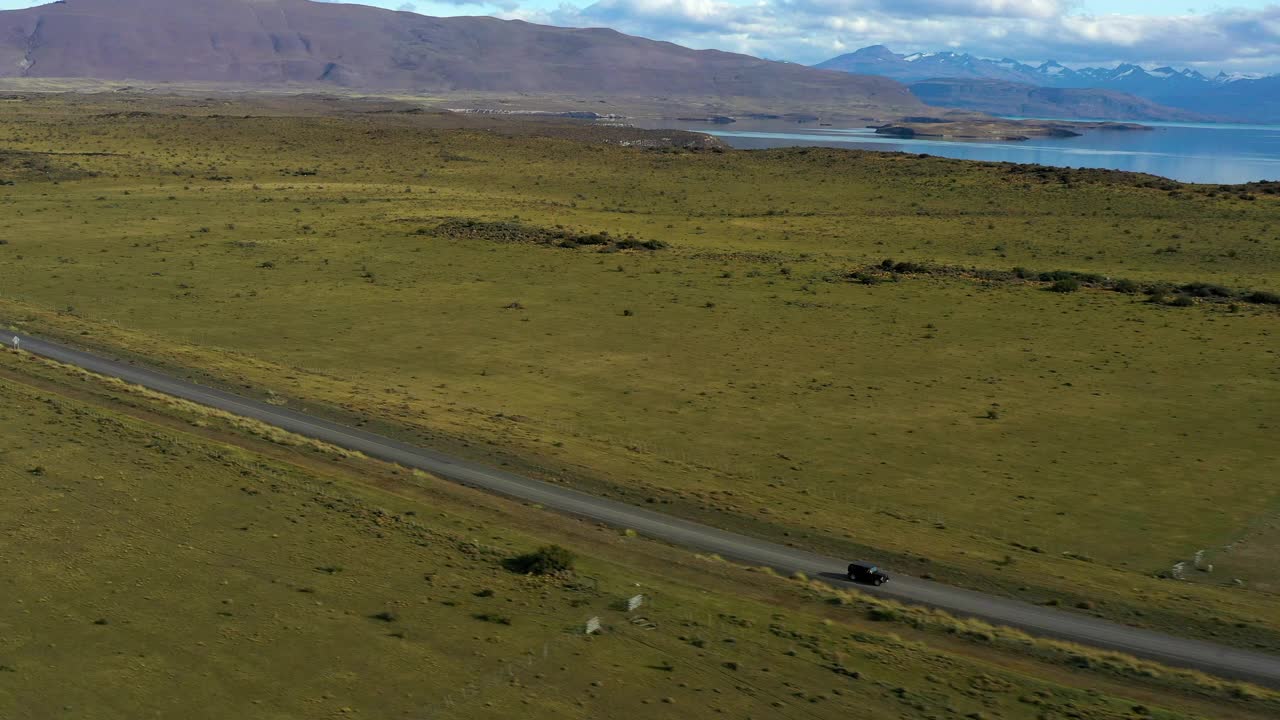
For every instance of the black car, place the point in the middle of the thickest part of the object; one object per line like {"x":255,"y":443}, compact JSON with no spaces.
{"x":865,"y":572}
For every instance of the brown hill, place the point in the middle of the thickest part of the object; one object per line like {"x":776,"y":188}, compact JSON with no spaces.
{"x":1010,"y":98}
{"x":274,"y":42}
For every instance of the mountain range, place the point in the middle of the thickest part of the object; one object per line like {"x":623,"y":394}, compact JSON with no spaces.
{"x":999,"y":97}
{"x":1222,"y":96}
{"x":300,"y":42}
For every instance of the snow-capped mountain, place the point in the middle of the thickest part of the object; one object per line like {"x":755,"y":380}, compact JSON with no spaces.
{"x":1224,"y":77}
{"x":880,"y":60}
{"x":1229,"y":96}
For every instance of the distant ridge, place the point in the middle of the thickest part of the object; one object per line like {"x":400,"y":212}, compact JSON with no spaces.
{"x":1019,"y":99}
{"x":272,"y":42}
{"x":1236,"y":97}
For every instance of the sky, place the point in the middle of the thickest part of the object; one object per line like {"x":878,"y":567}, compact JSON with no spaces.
{"x":1230,"y":35}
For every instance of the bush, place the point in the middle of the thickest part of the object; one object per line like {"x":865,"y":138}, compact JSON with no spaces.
{"x":546,"y":560}
{"x":1182,"y":301}
{"x":1067,"y":285}
{"x":1127,"y":286}
{"x":1204,"y":290}
{"x":1057,"y":275}
{"x":491,"y":617}
{"x":516,"y":232}
{"x":1262,"y":297}
{"x":883,"y":614}
{"x":631,"y":243}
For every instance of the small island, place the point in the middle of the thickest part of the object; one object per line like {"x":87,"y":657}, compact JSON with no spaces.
{"x":995,"y":128}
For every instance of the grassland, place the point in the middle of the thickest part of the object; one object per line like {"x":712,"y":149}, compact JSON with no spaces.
{"x":1066,"y":448}
{"x":161,"y":560}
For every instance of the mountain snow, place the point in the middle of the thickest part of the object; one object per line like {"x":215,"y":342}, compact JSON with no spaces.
{"x":924,"y":65}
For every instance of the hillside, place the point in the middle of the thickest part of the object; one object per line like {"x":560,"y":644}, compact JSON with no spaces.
{"x":276,"y":42}
{"x":1249,"y":100}
{"x":187,"y":564}
{"x":1009,"y":98}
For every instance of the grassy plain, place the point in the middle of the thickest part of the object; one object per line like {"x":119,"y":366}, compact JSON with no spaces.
{"x":160,"y":561}
{"x":1063,"y":448}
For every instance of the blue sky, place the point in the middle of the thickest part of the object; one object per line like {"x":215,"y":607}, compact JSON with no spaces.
{"x":1234,"y":35}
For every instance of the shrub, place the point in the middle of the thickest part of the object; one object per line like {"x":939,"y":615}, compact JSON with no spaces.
{"x":1182,"y":301}
{"x":1057,"y":275}
{"x":493,"y":618}
{"x":1067,"y":285}
{"x":1127,"y":286}
{"x":546,"y":560}
{"x":384,"y":616}
{"x":1201,"y":289}
{"x":1262,"y":297}
{"x":631,"y":243}
{"x":516,"y":232}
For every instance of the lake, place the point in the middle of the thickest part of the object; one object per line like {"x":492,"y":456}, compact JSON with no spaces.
{"x":1198,"y":153}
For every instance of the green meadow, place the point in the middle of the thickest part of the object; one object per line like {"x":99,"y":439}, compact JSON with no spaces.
{"x":730,"y":350}
{"x":165,"y":561}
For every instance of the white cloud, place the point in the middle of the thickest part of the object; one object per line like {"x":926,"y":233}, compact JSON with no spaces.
{"x":813,"y":30}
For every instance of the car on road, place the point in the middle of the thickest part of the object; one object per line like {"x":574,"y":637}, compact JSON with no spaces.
{"x":868,"y":573}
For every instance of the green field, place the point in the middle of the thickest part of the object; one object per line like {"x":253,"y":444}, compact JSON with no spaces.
{"x":161,"y":562}
{"x":1066,"y":448}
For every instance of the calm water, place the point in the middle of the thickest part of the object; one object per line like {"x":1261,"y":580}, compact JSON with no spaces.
{"x":1186,"y":152}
